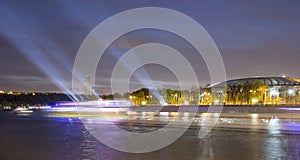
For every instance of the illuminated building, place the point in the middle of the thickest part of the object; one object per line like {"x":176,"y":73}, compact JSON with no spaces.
{"x":256,"y":91}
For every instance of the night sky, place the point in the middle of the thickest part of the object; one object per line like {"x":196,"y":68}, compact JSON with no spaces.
{"x":40,"y":39}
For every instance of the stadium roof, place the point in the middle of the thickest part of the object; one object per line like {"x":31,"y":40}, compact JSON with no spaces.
{"x":269,"y":81}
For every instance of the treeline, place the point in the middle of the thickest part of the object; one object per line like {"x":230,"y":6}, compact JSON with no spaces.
{"x":31,"y":99}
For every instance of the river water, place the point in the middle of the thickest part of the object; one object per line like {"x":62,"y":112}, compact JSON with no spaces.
{"x":38,"y":137}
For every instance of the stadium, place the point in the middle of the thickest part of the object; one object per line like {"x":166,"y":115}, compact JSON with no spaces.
{"x":253,"y":91}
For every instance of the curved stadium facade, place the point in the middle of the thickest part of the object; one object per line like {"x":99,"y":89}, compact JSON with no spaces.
{"x":254,"y":91}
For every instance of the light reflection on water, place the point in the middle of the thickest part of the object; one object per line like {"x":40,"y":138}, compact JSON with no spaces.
{"x":39,"y":137}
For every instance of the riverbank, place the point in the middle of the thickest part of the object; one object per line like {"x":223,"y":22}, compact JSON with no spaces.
{"x":223,"y":109}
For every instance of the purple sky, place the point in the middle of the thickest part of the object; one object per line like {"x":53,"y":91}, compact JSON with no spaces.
{"x":40,"y":39}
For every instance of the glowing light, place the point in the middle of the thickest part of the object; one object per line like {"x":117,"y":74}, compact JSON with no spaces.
{"x":254,"y":116}
{"x":254,"y":100}
{"x":217,"y":101}
{"x":291,"y":91}
{"x":165,"y":104}
{"x":186,"y":114}
{"x":173,"y":114}
{"x":291,"y":126}
{"x":274,"y":125}
{"x":166,"y":114}
{"x":290,"y":109}
{"x":131,"y":113}
{"x":144,"y":103}
{"x":273,"y":92}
